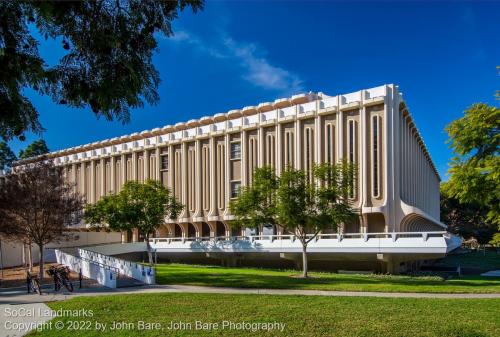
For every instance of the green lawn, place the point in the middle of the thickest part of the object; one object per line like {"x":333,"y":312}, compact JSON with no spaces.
{"x":266,"y":278}
{"x":302,"y":315}
{"x":484,"y":260}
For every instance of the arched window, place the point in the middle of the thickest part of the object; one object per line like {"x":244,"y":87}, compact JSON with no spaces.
{"x":352,"y":153}
{"x":329,"y":148}
{"x":376,"y":156}
{"x":289,"y":149}
{"x":308,"y":151}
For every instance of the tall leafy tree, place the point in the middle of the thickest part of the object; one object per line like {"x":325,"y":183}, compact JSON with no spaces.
{"x":301,"y":203}
{"x":37,"y":205}
{"x":37,"y":148}
{"x":7,"y":157}
{"x":475,"y":170}
{"x":469,"y":220}
{"x":107,"y":64}
{"x":142,"y":206}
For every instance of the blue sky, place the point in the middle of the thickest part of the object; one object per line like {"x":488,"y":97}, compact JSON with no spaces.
{"x":233,"y":54}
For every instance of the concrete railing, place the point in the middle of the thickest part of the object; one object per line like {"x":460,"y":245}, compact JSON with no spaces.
{"x":390,"y":242}
{"x":140,"y":272}
{"x":103,"y":274}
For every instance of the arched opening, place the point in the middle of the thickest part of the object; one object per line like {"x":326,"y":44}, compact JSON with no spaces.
{"x":376,"y":223}
{"x":220,"y":229}
{"x":252,"y":231}
{"x":191,"y":230}
{"x":205,"y":230}
{"x":235,"y":231}
{"x":353,"y":226}
{"x":268,"y":229}
{"x":177,"y":231}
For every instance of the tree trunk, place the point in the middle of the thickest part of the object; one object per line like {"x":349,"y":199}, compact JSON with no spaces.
{"x":41,"y":263}
{"x":150,"y":253}
{"x":304,"y":261}
{"x":30,"y":258}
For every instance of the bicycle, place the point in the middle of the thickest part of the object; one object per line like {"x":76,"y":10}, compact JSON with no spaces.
{"x":33,"y":283}
{"x":61,"y":278}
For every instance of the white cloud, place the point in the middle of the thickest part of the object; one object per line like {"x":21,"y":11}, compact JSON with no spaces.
{"x":256,"y":68}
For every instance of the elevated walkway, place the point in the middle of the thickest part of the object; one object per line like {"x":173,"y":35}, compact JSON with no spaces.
{"x":431,"y":243}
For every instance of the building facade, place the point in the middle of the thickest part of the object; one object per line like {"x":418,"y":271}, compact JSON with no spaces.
{"x":205,"y":161}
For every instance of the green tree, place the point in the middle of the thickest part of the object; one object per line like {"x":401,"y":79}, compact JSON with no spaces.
{"x":37,"y":148}
{"x":7,"y":157}
{"x":301,"y":203}
{"x":475,"y":170}
{"x":107,"y":63}
{"x":256,"y":203}
{"x":469,"y":220}
{"x":141,"y":206}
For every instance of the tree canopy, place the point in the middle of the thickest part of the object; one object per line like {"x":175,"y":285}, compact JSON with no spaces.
{"x":469,"y":220}
{"x":7,"y":157}
{"x":37,"y":148}
{"x":107,"y":63}
{"x":475,"y":170}
{"x":302,"y":203}
{"x":142,"y":206}
{"x":37,"y":205}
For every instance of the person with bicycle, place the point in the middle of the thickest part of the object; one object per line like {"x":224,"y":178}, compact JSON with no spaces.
{"x":33,"y":283}
{"x":61,"y":277}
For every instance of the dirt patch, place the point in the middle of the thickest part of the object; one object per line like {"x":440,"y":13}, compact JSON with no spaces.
{"x":16,"y":276}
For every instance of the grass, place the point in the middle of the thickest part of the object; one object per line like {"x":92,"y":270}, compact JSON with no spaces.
{"x":303,"y":315}
{"x":278,"y":279}
{"x":478,"y":259}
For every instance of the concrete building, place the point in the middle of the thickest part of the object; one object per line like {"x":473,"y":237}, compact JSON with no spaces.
{"x":205,"y":161}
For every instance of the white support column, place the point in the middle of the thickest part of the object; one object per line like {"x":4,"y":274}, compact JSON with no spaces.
{"x":340,"y":133}
{"x":363,"y":120}
{"x":317,"y":139}
{"x":198,"y":188}
{"x":92,"y":181}
{"x":134,"y":166}
{"x":171,"y":181}
{"x":298,"y":144}
{"x":73,"y":177}
{"x":260,"y":147}
{"x":227,"y":175}
{"x":184,"y":175}
{"x":244,"y":161}
{"x":83,"y":181}
{"x":278,"y":149}
{"x":123,"y":169}
{"x":103,"y":191}
{"x":112,"y":174}
{"x":145,"y":160}
{"x":213,"y":168}
{"x":158,"y":165}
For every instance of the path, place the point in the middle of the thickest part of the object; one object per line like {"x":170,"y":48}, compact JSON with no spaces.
{"x":17,"y":298}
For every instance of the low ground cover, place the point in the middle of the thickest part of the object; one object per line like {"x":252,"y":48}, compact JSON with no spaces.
{"x":286,"y":279}
{"x":302,"y":315}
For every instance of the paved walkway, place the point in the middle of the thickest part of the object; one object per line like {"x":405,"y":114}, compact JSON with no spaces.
{"x":20,"y":296}
{"x":12,"y":300}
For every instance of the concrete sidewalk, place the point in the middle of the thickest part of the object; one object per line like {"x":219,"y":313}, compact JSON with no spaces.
{"x":20,"y":297}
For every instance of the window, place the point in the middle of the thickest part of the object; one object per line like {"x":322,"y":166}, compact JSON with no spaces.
{"x":164,"y":162}
{"x":236,"y":150}
{"x":352,"y":155}
{"x":329,"y":143}
{"x":235,"y":189}
{"x":375,"y":156}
